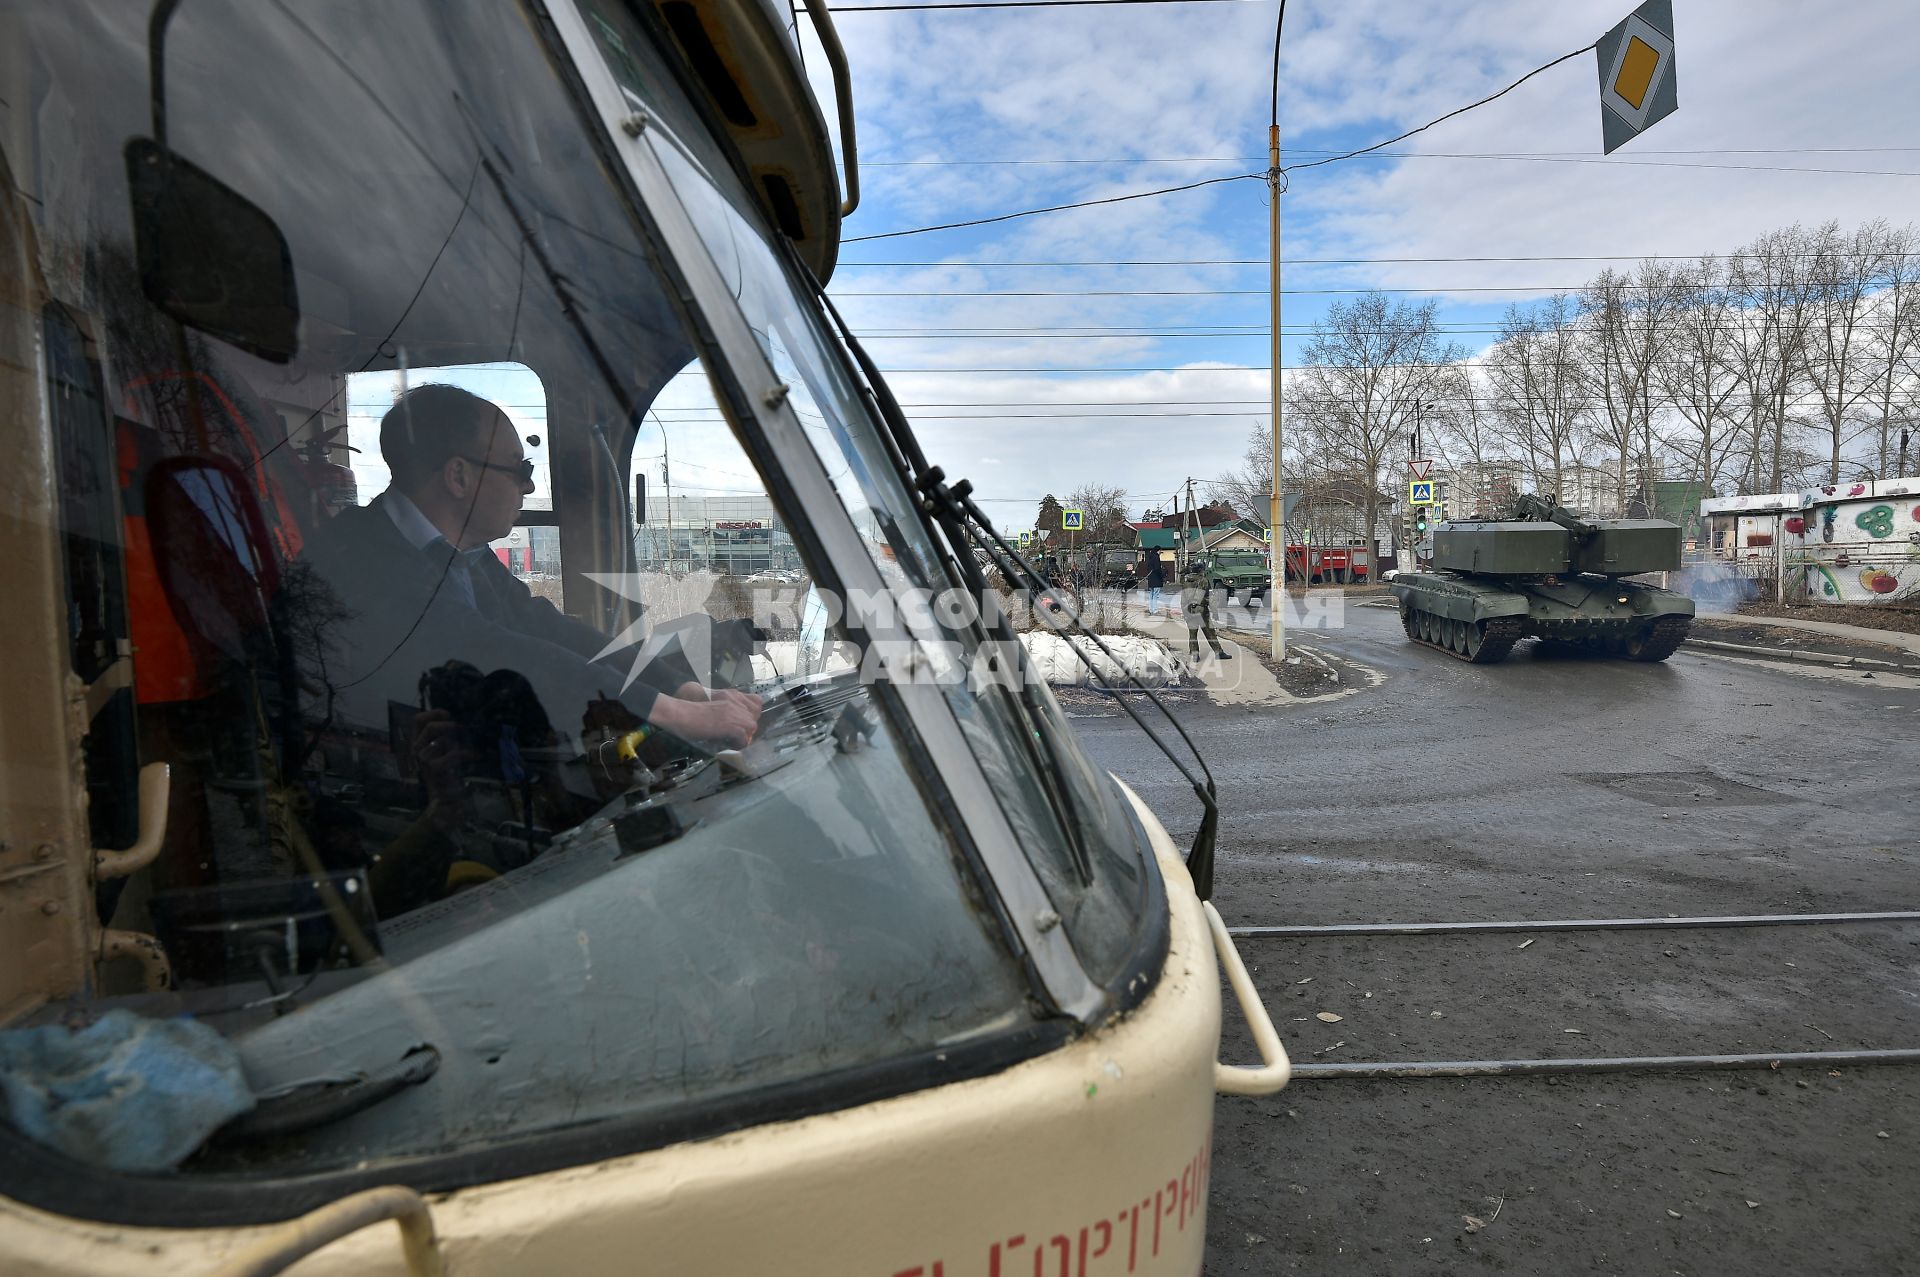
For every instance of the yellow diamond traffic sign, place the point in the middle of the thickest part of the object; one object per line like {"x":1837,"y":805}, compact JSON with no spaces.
{"x":1636,"y":74}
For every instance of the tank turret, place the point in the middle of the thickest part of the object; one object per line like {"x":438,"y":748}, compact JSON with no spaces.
{"x":1549,"y":573}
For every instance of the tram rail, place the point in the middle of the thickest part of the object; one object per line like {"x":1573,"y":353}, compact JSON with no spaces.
{"x":1542,"y":1067}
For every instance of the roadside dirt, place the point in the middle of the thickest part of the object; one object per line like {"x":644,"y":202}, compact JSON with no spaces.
{"x":1731,"y":629}
{"x":1904,"y":620}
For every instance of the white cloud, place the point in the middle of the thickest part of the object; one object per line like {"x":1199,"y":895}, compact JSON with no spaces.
{"x":1154,"y":82}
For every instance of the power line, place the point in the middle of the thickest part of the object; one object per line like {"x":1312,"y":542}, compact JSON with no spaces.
{"x":1488,"y":156}
{"x":1232,"y":292}
{"x":1250,"y":333}
{"x":1307,"y":164}
{"x":1905,"y":401}
{"x":1279,"y":22}
{"x":1056,"y":208}
{"x":1460,"y":110}
{"x":1396,"y":155}
{"x":1387,"y":261}
{"x":1013,"y":4}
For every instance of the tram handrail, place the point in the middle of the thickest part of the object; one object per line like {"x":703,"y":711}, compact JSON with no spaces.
{"x":298,"y":1238}
{"x":842,"y":97}
{"x":1236,"y":1079}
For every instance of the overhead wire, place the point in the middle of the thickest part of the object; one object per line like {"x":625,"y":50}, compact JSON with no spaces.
{"x":1054,"y":208}
{"x":1240,"y":177}
{"x":1396,"y":155}
{"x":1459,"y":110}
{"x":1379,"y":261}
{"x":1279,"y":21}
{"x":1222,"y":292}
{"x":1012,"y":4}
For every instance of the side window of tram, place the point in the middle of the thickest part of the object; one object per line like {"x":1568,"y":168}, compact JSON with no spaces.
{"x":531,"y":549}
{"x":708,"y":541}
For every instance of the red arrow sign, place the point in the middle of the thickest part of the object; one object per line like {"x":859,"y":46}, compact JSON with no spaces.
{"x":1421,"y":469}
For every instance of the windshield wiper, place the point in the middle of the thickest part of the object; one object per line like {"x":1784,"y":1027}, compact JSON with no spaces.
{"x":960,"y":519}
{"x":317,"y":1104}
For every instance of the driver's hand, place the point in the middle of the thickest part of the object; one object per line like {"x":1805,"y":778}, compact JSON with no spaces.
{"x":729,"y":719}
{"x":700,"y":692}
{"x":748,"y":699}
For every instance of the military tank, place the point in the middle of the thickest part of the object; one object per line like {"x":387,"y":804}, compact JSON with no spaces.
{"x":1550,"y":574}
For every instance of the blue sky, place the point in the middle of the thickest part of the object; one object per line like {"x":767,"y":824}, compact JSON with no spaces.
{"x":1144,"y":96}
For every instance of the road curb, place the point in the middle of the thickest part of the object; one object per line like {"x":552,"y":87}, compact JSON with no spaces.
{"x":1815,"y":658}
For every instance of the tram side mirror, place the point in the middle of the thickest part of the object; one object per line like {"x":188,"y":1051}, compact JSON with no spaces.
{"x":640,"y":500}
{"x":209,"y":257}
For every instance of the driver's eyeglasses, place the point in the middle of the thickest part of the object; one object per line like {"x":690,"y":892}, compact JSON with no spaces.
{"x":522,"y":469}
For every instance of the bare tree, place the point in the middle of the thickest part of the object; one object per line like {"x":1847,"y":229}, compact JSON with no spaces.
{"x":1537,"y":391}
{"x":1895,"y":337}
{"x":1771,"y":294}
{"x":1626,"y":323}
{"x":1103,"y":510}
{"x":1368,"y":370}
{"x":1699,"y":372}
{"x":1843,"y":274}
{"x":1249,"y":487}
{"x":1460,"y":427}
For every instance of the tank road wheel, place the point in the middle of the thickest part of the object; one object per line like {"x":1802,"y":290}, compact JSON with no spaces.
{"x":1473,"y":636}
{"x":1409,"y":621}
{"x":1490,"y":641}
{"x":1456,"y":636}
{"x":1656,"y":642}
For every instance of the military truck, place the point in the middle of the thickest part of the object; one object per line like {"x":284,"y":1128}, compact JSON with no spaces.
{"x":1550,"y":574}
{"x":1242,"y":570}
{"x":1119,"y":570}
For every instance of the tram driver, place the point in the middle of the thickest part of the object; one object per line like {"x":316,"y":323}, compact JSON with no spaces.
{"x":419,"y":587}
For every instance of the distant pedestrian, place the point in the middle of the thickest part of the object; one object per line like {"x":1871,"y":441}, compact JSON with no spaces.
{"x":1196,"y":607}
{"x":1156,"y":580}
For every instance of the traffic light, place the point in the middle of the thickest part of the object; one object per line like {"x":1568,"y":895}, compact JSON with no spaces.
{"x":1420,"y":523}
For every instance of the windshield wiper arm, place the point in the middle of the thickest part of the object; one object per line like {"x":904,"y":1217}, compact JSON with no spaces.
{"x":959,"y":517}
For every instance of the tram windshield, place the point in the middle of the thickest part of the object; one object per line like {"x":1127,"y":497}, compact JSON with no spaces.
{"x":519,"y":779}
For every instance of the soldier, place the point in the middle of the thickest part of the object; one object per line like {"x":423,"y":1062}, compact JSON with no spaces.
{"x":1196,"y":607}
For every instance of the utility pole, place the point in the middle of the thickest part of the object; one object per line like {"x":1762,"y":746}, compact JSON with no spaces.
{"x":1276,"y":504}
{"x":1186,"y":521}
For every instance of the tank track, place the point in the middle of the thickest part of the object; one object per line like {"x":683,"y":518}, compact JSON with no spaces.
{"x":1664,"y":636}
{"x":1497,"y":638}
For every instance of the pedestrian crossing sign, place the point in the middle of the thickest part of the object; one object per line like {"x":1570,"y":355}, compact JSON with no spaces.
{"x":1026,"y":537}
{"x":1266,"y":534}
{"x":1420,"y":492}
{"x":1072,"y":520}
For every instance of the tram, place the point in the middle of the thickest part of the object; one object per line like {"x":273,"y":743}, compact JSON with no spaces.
{"x":357,"y":871}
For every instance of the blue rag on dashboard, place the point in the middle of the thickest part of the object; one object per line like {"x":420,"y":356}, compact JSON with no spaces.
{"x":124,"y":1093}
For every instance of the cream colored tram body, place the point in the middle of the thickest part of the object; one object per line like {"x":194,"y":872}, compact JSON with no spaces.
{"x":339,"y":928}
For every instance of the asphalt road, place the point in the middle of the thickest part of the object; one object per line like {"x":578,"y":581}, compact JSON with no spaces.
{"x":1556,"y":788}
